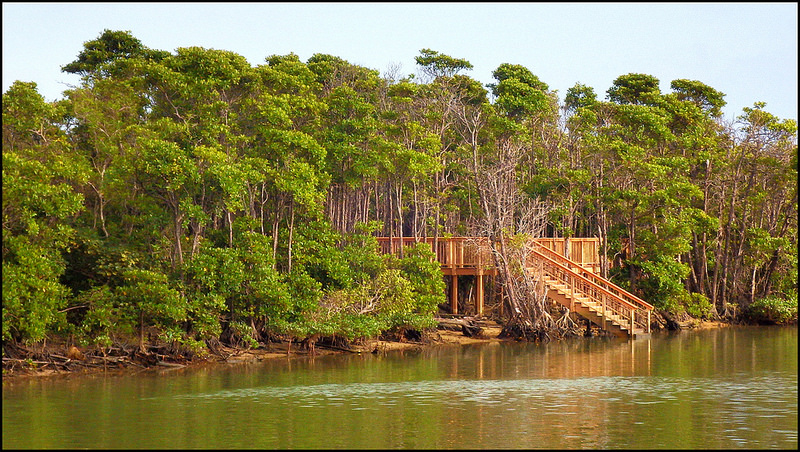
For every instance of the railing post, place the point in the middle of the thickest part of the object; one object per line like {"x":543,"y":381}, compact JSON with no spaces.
{"x":603,"y":310}
{"x":450,"y":254}
{"x":633,"y":320}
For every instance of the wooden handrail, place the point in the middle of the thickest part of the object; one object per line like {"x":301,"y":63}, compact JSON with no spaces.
{"x":608,"y":300}
{"x":590,"y":282}
{"x":597,"y":278}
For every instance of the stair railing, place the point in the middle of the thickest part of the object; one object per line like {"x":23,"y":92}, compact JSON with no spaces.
{"x":612,"y":299}
{"x":594,"y":276}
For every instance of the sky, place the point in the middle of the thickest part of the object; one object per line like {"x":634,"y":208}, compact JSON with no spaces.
{"x":746,"y":50}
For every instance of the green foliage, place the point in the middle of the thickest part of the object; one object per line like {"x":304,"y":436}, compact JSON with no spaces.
{"x":108,"y":48}
{"x":634,"y":89}
{"x":517,"y":72}
{"x":580,"y":96}
{"x":38,"y":200}
{"x":773,"y":309}
{"x":378,"y":305}
{"x":350,"y":137}
{"x":519,"y":92}
{"x":704,"y":96}
{"x":381,"y":292}
{"x":32,"y":194}
{"x":103,"y":317}
{"x":661,"y":279}
{"x":695,"y":304}
{"x":148,"y":294}
{"x":32,"y":295}
{"x":439,"y":65}
{"x":421,"y":269}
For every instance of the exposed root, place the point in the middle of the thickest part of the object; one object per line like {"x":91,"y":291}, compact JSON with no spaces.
{"x":524,"y":331}
{"x":566,"y":322}
{"x":21,"y":360}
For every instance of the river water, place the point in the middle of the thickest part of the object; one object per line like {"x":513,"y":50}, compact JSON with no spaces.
{"x":726,"y":388}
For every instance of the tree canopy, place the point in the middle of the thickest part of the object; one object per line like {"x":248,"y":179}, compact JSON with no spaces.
{"x":192,"y":195}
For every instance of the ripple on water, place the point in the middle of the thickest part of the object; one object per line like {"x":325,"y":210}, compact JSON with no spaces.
{"x":549,"y":394}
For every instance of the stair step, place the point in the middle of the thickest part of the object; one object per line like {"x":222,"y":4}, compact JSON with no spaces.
{"x":589,"y":307}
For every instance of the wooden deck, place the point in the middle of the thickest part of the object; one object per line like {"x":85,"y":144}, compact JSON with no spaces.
{"x":569,"y":270}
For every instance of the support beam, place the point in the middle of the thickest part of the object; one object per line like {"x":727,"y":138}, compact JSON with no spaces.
{"x":454,"y":295}
{"x":479,"y":294}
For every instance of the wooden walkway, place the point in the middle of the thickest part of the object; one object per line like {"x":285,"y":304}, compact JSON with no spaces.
{"x":571,"y":281}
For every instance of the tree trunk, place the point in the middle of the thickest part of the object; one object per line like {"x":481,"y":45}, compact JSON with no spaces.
{"x":141,"y":330}
{"x":291,"y":231}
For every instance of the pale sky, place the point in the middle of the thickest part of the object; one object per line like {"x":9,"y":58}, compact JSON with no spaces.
{"x":746,"y":50}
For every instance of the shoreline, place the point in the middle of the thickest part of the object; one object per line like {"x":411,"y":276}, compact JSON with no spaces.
{"x":227,"y":355}
{"x":64,"y":366}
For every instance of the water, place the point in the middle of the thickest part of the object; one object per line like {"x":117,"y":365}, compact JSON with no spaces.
{"x":728,"y":388}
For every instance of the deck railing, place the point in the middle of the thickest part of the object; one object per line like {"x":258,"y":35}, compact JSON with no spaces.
{"x":451,"y":252}
{"x":475,"y":252}
{"x":583,"y":250}
{"x":613,"y":299}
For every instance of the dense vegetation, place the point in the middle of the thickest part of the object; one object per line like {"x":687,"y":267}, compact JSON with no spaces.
{"x":195,"y":197}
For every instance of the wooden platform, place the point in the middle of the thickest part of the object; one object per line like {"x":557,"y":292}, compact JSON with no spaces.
{"x":568,"y":268}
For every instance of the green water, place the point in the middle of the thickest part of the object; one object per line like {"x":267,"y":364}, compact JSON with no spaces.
{"x":729,"y":388}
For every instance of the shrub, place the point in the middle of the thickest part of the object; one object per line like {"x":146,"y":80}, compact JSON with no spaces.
{"x":696,"y":305}
{"x":773,"y":309}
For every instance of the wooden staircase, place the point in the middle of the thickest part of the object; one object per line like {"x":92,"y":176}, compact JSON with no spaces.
{"x":591,"y":296}
{"x":569,"y":283}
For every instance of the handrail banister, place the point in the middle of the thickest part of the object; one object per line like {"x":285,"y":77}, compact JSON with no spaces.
{"x":608,"y":300}
{"x":594,"y":276}
{"x":590,"y":282}
{"x":608,"y":303}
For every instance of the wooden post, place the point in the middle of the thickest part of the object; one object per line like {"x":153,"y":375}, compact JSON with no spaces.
{"x":454,"y":295}
{"x":450,"y":256}
{"x":603,"y":314}
{"x":479,"y":294}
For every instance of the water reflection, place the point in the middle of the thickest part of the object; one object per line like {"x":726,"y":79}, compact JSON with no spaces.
{"x":708,"y":389}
